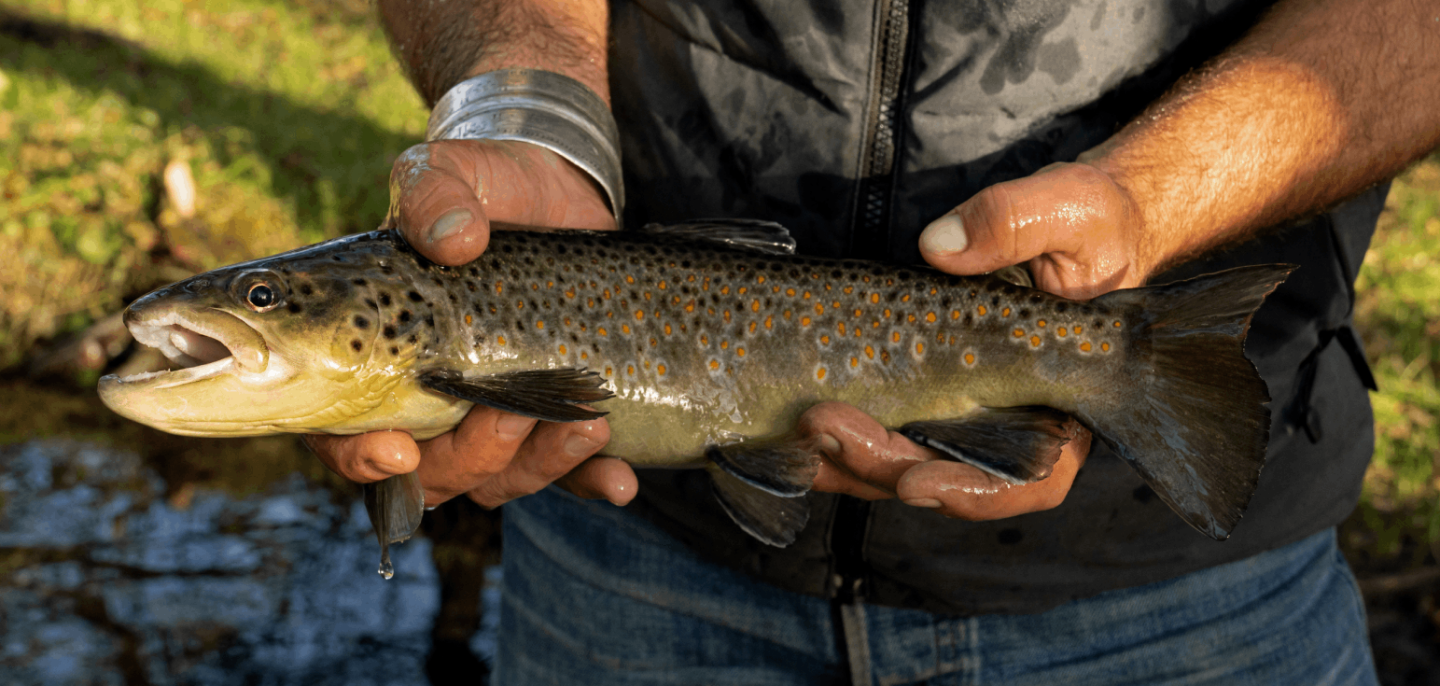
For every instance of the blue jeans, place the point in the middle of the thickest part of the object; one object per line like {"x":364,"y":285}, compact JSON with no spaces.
{"x":595,"y":596}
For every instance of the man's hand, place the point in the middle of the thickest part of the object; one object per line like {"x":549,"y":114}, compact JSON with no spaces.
{"x":1079,"y":232}
{"x":444,"y":197}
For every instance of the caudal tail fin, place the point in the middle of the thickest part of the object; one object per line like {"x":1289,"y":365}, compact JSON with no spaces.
{"x":1193,"y":419}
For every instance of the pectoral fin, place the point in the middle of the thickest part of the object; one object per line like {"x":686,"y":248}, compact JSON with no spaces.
{"x":395,"y":506}
{"x":547,"y":394}
{"x":1017,"y":444}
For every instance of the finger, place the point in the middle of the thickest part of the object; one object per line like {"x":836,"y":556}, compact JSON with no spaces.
{"x":964,"y":492}
{"x":551,"y":451}
{"x":366,"y":457}
{"x":602,"y":478}
{"x":445,"y":194}
{"x":1073,"y":215}
{"x":834,"y":478}
{"x":857,"y":446}
{"x":482,"y":446}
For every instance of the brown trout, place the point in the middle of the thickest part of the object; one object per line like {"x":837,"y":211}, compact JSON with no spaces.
{"x":702,"y":344}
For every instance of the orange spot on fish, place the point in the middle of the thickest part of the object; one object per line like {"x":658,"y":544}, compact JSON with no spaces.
{"x":790,"y":292}
{"x":910,"y":319}
{"x":885,"y":356}
{"x":787,"y":314}
{"x":760,"y":279}
{"x":584,"y":355}
{"x":727,"y":316}
{"x":601,"y":331}
{"x":806,"y":296}
{"x":499,"y":288}
{"x":919,"y":348}
{"x":500,"y":340}
{"x":714,"y":365}
{"x":857,"y":312}
{"x":1077,"y":329}
{"x":660,"y":285}
{"x":742,"y":290}
{"x":820,"y":373}
{"x":667,"y":328}
{"x":819,"y":309}
{"x":905,"y":298}
{"x":540,"y":325}
{"x":1035,"y":341}
{"x":1085,"y":346}
{"x":1018,"y":333}
{"x":724,"y":290}
{"x":570,"y":293}
{"x":1105,"y":347}
{"x":970,"y":358}
{"x":1005,"y":312}
{"x":874,"y":297}
{"x":824,"y":340}
{"x":769,"y":321}
{"x":660,"y":369}
{"x":630,"y":369}
{"x":849,"y":290}
{"x":609,"y":371}
{"x":804,"y":321}
{"x":519,"y":304}
{"x":629,"y":279}
{"x":1041,"y":323}
{"x":690,"y":306}
{"x":625,"y":329}
{"x":639,"y":315}
{"x":854,"y":362}
{"x":653,"y":342}
{"x":562,"y":349}
{"x":1061,"y":332}
{"x":1117,"y":323}
{"x":704,"y":340}
{"x":468,"y":319}
{"x":755,"y":305}
{"x":840,"y":326}
{"x":752,"y":327}
{"x":724,"y":345}
{"x":869,"y":352}
{"x":954,"y":314}
{"x":740,"y":352}
{"x":895,"y":336}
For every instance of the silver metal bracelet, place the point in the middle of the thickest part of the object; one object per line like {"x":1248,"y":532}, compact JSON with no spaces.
{"x":553,"y":111}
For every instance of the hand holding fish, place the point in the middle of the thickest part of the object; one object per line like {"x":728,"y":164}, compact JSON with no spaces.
{"x":493,"y":456}
{"x":1079,"y":233}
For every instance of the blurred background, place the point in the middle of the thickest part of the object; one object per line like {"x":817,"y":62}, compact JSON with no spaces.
{"x":144,"y":142}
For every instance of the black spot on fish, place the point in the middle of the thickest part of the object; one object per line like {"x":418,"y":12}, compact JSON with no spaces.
{"x":1143,"y":495}
{"x":370,"y":302}
{"x":385,"y":299}
{"x":358,"y":282}
{"x":404,"y":316}
{"x":293,"y":308}
{"x":414,"y":297}
{"x":361,"y":322}
{"x":507,"y":249}
{"x":1023,"y":314}
{"x":305,"y":289}
{"x":394,"y":350}
{"x":412,"y":339}
{"x":389,"y":332}
{"x":356,"y":346}
{"x":1061,"y":307}
{"x":430,"y":321}
{"x":1009,"y":536}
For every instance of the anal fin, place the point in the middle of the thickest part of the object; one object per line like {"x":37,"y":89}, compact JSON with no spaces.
{"x":773,"y":519}
{"x":1017,"y":444}
{"x":550,"y":395}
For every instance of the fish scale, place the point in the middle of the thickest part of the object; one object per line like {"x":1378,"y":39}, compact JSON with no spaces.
{"x":702,"y":344}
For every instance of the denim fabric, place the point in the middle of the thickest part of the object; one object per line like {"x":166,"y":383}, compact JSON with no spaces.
{"x":594,"y":595}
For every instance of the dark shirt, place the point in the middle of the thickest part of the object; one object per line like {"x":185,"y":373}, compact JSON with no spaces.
{"x":857,"y":123}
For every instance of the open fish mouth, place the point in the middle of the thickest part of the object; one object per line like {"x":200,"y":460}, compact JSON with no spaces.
{"x":204,"y":343}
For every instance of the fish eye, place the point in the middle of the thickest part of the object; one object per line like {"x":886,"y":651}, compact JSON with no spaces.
{"x":261,"y":297}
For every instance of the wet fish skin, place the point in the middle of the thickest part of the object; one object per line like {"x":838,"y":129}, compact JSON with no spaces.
{"x":712,"y":349}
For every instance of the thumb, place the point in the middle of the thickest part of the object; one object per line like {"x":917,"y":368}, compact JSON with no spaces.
{"x":1017,"y":221}
{"x":437,"y":211}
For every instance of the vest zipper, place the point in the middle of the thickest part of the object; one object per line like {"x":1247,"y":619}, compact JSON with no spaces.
{"x":870,"y":230}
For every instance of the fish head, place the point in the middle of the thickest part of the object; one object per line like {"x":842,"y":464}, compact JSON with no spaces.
{"x":315,"y":340}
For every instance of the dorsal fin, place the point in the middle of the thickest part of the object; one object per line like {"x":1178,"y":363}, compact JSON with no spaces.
{"x":750,"y":234}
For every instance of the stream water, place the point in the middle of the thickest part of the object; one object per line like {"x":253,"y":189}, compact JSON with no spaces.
{"x":106,"y":581}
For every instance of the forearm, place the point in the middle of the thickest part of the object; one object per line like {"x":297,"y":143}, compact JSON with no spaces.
{"x":443,"y":43}
{"x":1319,"y":101}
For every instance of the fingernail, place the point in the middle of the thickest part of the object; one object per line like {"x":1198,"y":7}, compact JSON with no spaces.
{"x":579,"y":445}
{"x":512,"y":426}
{"x":944,"y":235}
{"x":827,"y":444}
{"x":620,"y":498}
{"x":927,"y":503}
{"x":448,"y":224}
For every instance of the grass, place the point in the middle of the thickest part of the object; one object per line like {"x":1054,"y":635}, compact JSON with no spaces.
{"x":290,"y":114}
